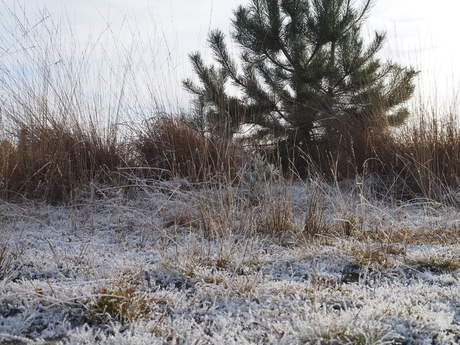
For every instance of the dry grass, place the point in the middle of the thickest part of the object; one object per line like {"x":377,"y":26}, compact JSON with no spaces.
{"x":10,"y":254}
{"x":121,"y":300}
{"x":52,"y":159}
{"x":56,"y":133}
{"x":429,"y":157}
{"x":171,"y":148}
{"x":230,"y":208}
{"x":12,"y":246}
{"x":60,"y":130}
{"x":420,"y":159}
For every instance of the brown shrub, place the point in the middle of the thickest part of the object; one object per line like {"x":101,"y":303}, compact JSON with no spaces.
{"x":171,"y":148}
{"x":50,"y":160}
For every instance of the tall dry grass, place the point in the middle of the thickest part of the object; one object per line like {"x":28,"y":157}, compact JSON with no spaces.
{"x":171,"y":148}
{"x":51,"y":160}
{"x":65,"y":103}
{"x":419,"y":159}
{"x":428,"y":155}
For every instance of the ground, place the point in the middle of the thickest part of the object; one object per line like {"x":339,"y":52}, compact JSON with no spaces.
{"x":176,"y":263}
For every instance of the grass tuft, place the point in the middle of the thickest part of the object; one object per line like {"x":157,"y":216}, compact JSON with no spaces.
{"x":171,"y":148}
{"x":51,"y":161}
{"x":120,"y":301}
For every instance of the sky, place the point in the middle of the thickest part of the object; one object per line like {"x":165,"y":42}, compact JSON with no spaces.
{"x":418,"y":34}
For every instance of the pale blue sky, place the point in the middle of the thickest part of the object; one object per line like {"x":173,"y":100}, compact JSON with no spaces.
{"x":418,"y":33}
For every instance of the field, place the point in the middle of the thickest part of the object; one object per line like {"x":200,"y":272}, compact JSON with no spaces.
{"x":174,"y":263}
{"x":122,"y":223}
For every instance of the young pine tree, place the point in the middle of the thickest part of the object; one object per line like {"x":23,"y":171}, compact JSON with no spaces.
{"x":304,"y":73}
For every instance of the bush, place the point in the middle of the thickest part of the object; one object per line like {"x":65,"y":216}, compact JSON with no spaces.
{"x":171,"y":148}
{"x":51,"y":159}
{"x":421,"y":159}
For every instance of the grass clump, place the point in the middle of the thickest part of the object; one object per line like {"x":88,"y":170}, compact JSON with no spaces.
{"x":258,"y":179}
{"x":56,"y":137}
{"x":436,"y":262}
{"x":171,"y":148}
{"x":421,"y":159}
{"x":315,"y":221}
{"x":12,"y":246}
{"x":375,"y":333}
{"x":10,"y":253}
{"x":52,"y":159}
{"x":120,"y":301}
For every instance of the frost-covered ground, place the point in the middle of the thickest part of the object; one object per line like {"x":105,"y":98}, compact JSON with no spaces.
{"x":306,"y":264}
